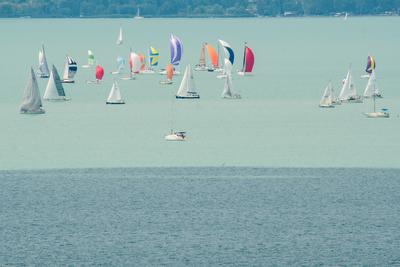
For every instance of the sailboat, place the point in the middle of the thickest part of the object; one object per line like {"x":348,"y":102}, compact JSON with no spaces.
{"x":384,"y":113}
{"x":228,"y":51}
{"x":99,"y":73}
{"x":345,"y":16}
{"x":228,"y":88}
{"x":90,"y":61}
{"x":326,"y":100}
{"x":119,"y":39}
{"x":115,"y":95}
{"x":187,"y":89}
{"x":214,"y":58}
{"x":153,"y":61}
{"x":248,"y":61}
{"x":138,"y":14}
{"x":43,"y":67}
{"x":176,"y":136}
{"x":54,"y":89}
{"x":371,"y":65}
{"x":371,"y":89}
{"x":176,"y":49}
{"x":31,"y":102}
{"x":227,"y":69}
{"x":348,"y":93}
{"x":70,"y":70}
{"x":120,"y":65}
{"x":201,"y":66}
{"x":169,"y":75}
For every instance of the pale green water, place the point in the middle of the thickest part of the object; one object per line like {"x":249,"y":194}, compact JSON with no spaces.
{"x":277,"y":123}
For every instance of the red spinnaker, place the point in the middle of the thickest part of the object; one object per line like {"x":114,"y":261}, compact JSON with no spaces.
{"x":99,"y":72}
{"x":249,"y":60}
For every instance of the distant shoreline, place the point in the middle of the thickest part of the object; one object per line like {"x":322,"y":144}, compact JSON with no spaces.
{"x":201,"y":17}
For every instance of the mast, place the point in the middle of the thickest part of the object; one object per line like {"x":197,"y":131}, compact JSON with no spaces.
{"x":244,"y":57}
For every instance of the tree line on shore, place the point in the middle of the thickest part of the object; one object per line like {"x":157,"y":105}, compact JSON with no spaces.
{"x":194,"y":8}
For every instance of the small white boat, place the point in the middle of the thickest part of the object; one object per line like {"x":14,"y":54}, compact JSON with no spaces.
{"x":120,"y":65}
{"x":228,"y":93}
{"x":119,"y":39}
{"x":187,"y":89}
{"x":90,"y":62}
{"x":176,"y":136}
{"x":138,"y":14}
{"x":31,"y":102}
{"x":115,"y":95}
{"x":384,"y":113}
{"x":54,"y":89}
{"x":371,"y":89}
{"x":70,"y":70}
{"x":43,"y":71}
{"x":326,"y":100}
{"x":348,"y":93}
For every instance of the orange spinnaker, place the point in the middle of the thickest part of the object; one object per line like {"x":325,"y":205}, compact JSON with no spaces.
{"x":213,"y":55}
{"x":170,"y":71}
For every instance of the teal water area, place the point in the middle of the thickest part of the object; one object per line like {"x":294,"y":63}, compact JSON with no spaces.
{"x":276,"y":123}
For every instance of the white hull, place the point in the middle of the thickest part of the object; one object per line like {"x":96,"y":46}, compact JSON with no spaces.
{"x":86,"y":66}
{"x":377,"y":115}
{"x":235,"y":96}
{"x":166,"y":82}
{"x":200,"y":68}
{"x":67,"y":81}
{"x":39,"y":111}
{"x":174,"y":137}
{"x":93,"y":82}
{"x":128,"y":78}
{"x":355,"y":99}
{"x":164,"y":72}
{"x":326,"y":106}
{"x":116,"y":103}
{"x":241,"y":73}
{"x":63,"y":99}
{"x":147,"y":72}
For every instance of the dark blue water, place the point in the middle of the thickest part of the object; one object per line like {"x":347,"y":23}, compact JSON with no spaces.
{"x":200,"y":216}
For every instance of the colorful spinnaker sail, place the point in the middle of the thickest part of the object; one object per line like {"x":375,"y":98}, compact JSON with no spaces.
{"x":248,"y":59}
{"x":134,"y":62}
{"x":176,"y":49}
{"x":153,"y":57}
{"x":371,"y":64}
{"x":213,"y":55}
{"x":99,"y":72}
{"x":228,"y":51}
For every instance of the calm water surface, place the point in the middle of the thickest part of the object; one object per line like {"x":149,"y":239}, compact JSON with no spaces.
{"x":200,"y":216}
{"x":277,"y":123}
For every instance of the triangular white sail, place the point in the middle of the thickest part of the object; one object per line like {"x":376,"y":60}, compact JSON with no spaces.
{"x":120,"y":40}
{"x":115,"y":95}
{"x":327,"y":97}
{"x":348,"y":91}
{"x":43,"y":67}
{"x":31,"y":102}
{"x":70,"y":69}
{"x":54,"y":89}
{"x":187,"y":89}
{"x":371,"y":89}
{"x":228,"y":88}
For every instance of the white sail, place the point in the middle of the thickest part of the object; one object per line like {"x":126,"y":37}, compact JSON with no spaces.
{"x":371,"y":89}
{"x":115,"y":95}
{"x":136,"y":64}
{"x":120,"y":40}
{"x":327,"y":97}
{"x":70,"y":69}
{"x":43,"y":67}
{"x":31,"y":102}
{"x":54,"y":88}
{"x":348,"y":89}
{"x":187,"y":89}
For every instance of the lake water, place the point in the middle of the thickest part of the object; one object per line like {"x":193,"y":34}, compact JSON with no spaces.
{"x":200,"y":217}
{"x":277,"y":123}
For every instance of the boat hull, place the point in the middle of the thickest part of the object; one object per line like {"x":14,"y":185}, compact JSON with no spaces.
{"x":174,"y":137}
{"x":326,"y":106}
{"x":187,"y":97}
{"x":374,"y":115}
{"x":115,"y":103}
{"x":33,"y":112}
{"x":165,"y":82}
{"x":67,"y":81}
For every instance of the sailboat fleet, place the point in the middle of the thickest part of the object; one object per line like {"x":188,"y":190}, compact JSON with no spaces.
{"x":348,"y":93}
